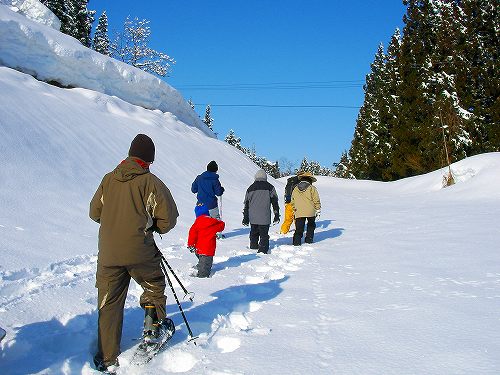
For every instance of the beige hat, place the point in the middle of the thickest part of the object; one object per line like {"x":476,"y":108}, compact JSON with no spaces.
{"x":307,"y":175}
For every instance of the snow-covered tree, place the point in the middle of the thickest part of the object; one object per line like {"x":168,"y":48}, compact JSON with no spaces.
{"x":132,"y":47}
{"x":208,"y":120}
{"x":100,"y":42}
{"x":66,"y":12}
{"x":233,"y":140}
{"x":76,"y":19}
{"x":304,"y":166}
{"x":191,"y":104}
{"x":84,"y":19}
{"x":342,"y":167}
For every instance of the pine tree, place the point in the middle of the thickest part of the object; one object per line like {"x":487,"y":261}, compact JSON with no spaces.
{"x":440,"y":76}
{"x":418,"y":143}
{"x":342,"y":167}
{"x":449,"y":111}
{"x":479,"y":79}
{"x":233,"y":140}
{"x":208,"y":120}
{"x":304,"y":166}
{"x":83,"y":20}
{"x":65,"y":11}
{"x":392,"y":109}
{"x":191,"y":104}
{"x":375,"y":117}
{"x":100,"y":42}
{"x":76,"y":19}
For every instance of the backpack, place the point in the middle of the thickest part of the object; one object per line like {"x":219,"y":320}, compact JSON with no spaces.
{"x":290,"y":185}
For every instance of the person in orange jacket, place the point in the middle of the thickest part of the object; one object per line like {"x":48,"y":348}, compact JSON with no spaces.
{"x":202,"y":239}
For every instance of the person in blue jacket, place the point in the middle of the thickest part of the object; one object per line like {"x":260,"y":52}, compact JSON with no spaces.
{"x":207,"y":188}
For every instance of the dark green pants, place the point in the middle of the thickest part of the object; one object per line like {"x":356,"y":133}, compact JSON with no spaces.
{"x":112,"y":285}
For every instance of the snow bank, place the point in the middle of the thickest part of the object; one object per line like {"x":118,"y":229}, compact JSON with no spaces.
{"x":473,"y":178}
{"x":49,"y":55}
{"x":34,"y":10}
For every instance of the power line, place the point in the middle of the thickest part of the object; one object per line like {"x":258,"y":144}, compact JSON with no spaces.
{"x":279,"y":106}
{"x":243,"y":88}
{"x":338,"y":84}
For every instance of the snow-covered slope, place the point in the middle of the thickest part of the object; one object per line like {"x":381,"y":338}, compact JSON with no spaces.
{"x":403,"y":278}
{"x":58,"y":143}
{"x":34,"y":10}
{"x":49,"y":55}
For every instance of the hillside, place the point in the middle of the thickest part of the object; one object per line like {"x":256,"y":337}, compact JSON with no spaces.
{"x":402,"y":279}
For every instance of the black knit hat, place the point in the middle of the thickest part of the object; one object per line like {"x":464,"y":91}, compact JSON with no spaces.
{"x":142,"y":147}
{"x":212,"y":166}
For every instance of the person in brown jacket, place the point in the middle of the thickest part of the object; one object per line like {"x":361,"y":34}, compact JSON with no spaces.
{"x":130,"y":204}
{"x":306,"y":205}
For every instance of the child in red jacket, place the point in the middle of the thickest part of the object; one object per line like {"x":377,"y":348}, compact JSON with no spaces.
{"x":202,"y":238}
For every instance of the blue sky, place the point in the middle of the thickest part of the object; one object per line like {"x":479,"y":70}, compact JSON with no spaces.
{"x":288,"y":54}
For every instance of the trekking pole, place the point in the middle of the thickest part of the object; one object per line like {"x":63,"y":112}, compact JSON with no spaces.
{"x":178,"y":304}
{"x":190,"y":295}
{"x":187,"y":293}
{"x":220,"y":211}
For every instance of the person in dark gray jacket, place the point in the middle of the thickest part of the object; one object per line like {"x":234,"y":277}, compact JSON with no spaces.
{"x":257,"y":211}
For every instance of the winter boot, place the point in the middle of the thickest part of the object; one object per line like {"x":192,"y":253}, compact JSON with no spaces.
{"x":297,"y":241}
{"x":101,"y":366}
{"x":151,"y":325}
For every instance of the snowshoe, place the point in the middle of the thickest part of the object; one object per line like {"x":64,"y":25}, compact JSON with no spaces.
{"x":153,"y":342}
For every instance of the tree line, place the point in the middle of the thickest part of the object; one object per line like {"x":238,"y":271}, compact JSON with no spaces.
{"x":273,"y":168}
{"x":435,"y":89}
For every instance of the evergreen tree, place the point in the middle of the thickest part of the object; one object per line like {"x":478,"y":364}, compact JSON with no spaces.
{"x":100,"y":42}
{"x":315,"y":168}
{"x":480,"y":76}
{"x":439,"y":78}
{"x":392,"y":108}
{"x":304,"y":166}
{"x":83,"y":20}
{"x":208,"y":120}
{"x":369,"y":155}
{"x":415,"y":142}
{"x":233,"y":140}
{"x":76,"y":19}
{"x":191,"y":104}
{"x":342,"y":168}
{"x":65,"y":11}
{"x":448,"y":109}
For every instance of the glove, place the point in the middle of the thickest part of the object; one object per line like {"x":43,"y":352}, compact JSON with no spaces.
{"x":192,"y":249}
{"x":276,"y":219}
{"x":245,"y":222}
{"x":318,"y":214}
{"x":154,"y":228}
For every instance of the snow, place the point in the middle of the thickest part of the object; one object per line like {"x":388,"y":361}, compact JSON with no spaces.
{"x":403,"y":277}
{"x":34,"y":10}
{"x":49,"y":55}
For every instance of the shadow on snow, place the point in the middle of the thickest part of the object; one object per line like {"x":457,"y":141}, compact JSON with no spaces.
{"x":70,"y":347}
{"x":234,"y":262}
